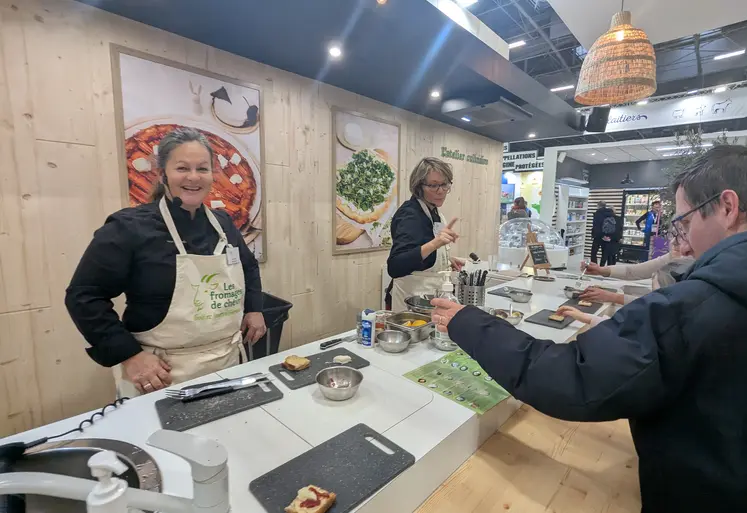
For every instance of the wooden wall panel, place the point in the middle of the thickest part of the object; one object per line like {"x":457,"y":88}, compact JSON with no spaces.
{"x":60,"y":178}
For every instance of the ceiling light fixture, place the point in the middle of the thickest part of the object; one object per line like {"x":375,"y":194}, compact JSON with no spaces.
{"x":335,"y":51}
{"x":693,"y":91}
{"x":728,"y":55}
{"x":606,"y":160}
{"x":435,"y":93}
{"x":466,"y":3}
{"x":381,"y":2}
{"x":620,"y":66}
{"x":561,"y":88}
{"x":671,"y":148}
{"x":720,"y":89}
{"x":517,"y":44}
{"x":466,"y":119}
{"x":593,"y":154}
{"x":532,"y":135}
{"x":642,"y":102}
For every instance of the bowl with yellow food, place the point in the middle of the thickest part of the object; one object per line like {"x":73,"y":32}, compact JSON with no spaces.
{"x":418,"y":326}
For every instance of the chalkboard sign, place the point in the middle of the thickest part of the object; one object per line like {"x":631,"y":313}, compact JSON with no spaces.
{"x":539,"y":255}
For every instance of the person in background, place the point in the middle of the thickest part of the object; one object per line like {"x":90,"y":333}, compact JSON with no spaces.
{"x":420,"y":239}
{"x":652,"y":218}
{"x":604,"y":225}
{"x":192,"y":285}
{"x":519,"y":209}
{"x":628,"y":272}
{"x":669,"y":274}
{"x":673,"y":362}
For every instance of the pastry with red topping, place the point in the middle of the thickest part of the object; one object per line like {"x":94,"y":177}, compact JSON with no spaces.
{"x":311,"y":499}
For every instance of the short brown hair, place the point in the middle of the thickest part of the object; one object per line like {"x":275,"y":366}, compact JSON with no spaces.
{"x":425,"y":166}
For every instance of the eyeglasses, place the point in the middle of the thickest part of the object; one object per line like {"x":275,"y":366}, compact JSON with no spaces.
{"x":679,"y":231}
{"x":436,"y":187}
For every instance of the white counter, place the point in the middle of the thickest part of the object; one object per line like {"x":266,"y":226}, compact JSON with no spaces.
{"x":438,"y":432}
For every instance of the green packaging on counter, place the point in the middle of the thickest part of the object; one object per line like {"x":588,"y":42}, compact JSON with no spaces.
{"x":458,"y":377}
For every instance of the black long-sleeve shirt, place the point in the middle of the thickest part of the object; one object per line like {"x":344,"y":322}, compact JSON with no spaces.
{"x":411,"y":228}
{"x":673,"y":362}
{"x":134,"y":254}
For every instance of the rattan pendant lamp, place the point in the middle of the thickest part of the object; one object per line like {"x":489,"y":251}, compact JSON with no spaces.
{"x":620,"y":67}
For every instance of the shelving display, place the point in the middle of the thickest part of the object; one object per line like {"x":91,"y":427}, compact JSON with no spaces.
{"x":636,"y":203}
{"x":572,"y":210}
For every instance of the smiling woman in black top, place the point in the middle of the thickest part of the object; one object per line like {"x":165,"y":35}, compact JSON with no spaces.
{"x":177,"y":324}
{"x":419,"y":237}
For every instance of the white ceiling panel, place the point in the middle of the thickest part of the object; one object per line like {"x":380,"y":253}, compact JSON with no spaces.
{"x":662,"y":20}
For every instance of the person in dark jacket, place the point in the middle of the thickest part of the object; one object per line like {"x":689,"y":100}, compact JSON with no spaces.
{"x":674,"y":362}
{"x":603,"y":212}
{"x":420,"y":237}
{"x":651,"y":220}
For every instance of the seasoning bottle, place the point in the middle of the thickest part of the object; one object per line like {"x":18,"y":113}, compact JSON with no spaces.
{"x":442,"y":340}
{"x":368,"y":327}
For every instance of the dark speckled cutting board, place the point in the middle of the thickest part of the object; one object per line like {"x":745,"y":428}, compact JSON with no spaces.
{"x":319,"y":361}
{"x":586,"y":309}
{"x":178,"y":416}
{"x":347,"y":464}
{"x":542,"y":318}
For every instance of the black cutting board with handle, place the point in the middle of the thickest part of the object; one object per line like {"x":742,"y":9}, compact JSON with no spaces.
{"x":348,"y":465}
{"x":542,"y":318}
{"x":303,"y":378}
{"x":503,"y":291}
{"x":180,"y":416}
{"x":586,"y":309}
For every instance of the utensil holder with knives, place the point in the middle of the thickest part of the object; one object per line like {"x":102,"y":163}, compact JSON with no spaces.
{"x":473,"y":295}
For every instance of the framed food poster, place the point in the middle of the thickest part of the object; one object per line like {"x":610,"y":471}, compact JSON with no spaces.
{"x":156,"y":96}
{"x":365,"y":158}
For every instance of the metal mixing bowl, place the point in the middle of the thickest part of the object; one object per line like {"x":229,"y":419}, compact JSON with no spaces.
{"x":420,"y":304}
{"x":520,"y":296}
{"x":339,"y":383}
{"x":393,"y":341}
{"x":572,"y":293}
{"x":512,"y":318}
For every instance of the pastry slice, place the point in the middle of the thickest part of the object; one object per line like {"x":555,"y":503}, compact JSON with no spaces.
{"x":584,"y":303}
{"x":296,"y":363}
{"x":311,"y":499}
{"x":556,"y":318}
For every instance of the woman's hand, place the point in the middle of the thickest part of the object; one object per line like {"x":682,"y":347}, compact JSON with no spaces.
{"x":147,"y":372}
{"x":594,"y":269}
{"x":447,"y":235}
{"x":253,"y":327}
{"x":576,"y":314}
{"x":595,"y":294}
{"x":456,"y":263}
{"x":443,"y":313}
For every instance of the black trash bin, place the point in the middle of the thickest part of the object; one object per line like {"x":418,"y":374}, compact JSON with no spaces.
{"x":275,"y":311}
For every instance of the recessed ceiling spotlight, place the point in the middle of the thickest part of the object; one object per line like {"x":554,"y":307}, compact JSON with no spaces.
{"x":592,"y":154}
{"x":720,"y":89}
{"x":466,"y":3}
{"x":693,"y":91}
{"x":562,"y":88}
{"x":517,"y":44}
{"x":730,"y":54}
{"x":466,"y":119}
{"x":381,"y":2}
{"x":335,"y":51}
{"x":642,"y":102}
{"x":531,"y":135}
{"x":435,"y":93}
{"x":606,"y":160}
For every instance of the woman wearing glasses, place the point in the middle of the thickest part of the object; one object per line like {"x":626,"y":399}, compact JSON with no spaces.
{"x":420,"y":237}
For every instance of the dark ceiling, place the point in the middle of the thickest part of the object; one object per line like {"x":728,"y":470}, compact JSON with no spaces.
{"x":395,"y":53}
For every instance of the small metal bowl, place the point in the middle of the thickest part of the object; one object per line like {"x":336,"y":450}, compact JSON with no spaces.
{"x":520,"y":296}
{"x":572,"y":293}
{"x":420,"y":304}
{"x":393,"y":341}
{"x":339,"y":383}
{"x":512,"y":318}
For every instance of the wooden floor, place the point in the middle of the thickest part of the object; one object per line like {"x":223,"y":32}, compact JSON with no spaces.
{"x":539,"y":464}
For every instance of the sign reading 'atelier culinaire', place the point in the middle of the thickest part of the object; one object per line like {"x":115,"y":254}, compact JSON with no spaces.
{"x":457,"y":155}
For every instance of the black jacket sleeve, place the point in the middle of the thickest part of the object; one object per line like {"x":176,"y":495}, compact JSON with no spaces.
{"x":407,"y":238}
{"x":622,"y":368}
{"x":619,"y":224}
{"x":100,"y":276}
{"x":253,"y":301}
{"x":640,"y":220}
{"x":596,"y":225}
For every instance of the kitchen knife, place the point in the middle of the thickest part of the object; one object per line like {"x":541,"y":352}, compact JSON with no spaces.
{"x":332,"y":343}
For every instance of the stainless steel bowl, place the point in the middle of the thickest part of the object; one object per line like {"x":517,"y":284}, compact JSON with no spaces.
{"x":393,"y":341}
{"x":572,"y":293}
{"x":397,"y":322}
{"x":339,"y":383}
{"x":420,"y":304}
{"x":520,"y":296}
{"x":512,"y":318}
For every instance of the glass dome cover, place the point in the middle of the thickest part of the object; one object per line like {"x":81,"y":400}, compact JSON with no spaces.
{"x":513,"y":233}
